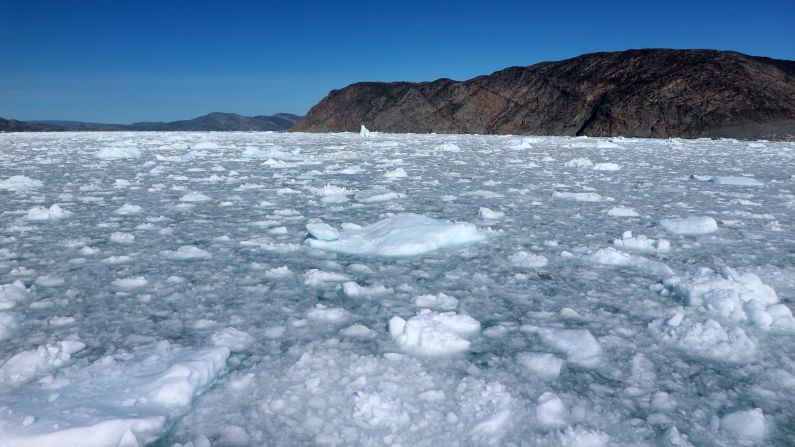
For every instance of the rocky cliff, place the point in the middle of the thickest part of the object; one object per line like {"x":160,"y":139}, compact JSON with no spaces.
{"x":635,"y":93}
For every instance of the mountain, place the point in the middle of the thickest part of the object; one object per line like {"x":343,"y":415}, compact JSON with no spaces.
{"x":636,"y":93}
{"x":212,"y":122}
{"x":24,"y":126}
{"x":224,"y":121}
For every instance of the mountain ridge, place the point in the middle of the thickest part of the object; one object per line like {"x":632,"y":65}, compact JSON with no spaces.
{"x":634,"y":93}
{"x":215,"y":121}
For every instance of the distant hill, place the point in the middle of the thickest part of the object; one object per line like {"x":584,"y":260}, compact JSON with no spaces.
{"x":224,"y":121}
{"x":212,"y":122}
{"x":24,"y":126}
{"x":636,"y":93}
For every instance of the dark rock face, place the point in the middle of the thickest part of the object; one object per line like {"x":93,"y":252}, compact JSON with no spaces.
{"x":637,"y":93}
{"x":213,"y":122}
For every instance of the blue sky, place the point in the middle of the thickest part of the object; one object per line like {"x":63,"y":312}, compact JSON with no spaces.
{"x":124,"y":61}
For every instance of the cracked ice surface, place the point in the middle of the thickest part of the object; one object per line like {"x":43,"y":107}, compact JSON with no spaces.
{"x":234,"y":289}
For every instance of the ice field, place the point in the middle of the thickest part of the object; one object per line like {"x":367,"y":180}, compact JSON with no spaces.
{"x":258,"y":289}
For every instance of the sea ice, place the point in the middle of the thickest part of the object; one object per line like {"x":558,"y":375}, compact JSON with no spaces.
{"x":12,"y":294}
{"x":186,"y":252}
{"x":736,"y":181}
{"x":581,"y":196}
{"x":729,"y":294}
{"x":124,"y":401}
{"x":693,"y":226}
{"x":27,"y":365}
{"x":322,"y":231}
{"x":401,"y":235}
{"x":439,"y":301}
{"x":622,"y":211}
{"x":487,"y":214}
{"x":117,"y":153}
{"x":705,"y":339}
{"x":745,"y":424}
{"x":20,"y":183}
{"x":641,"y":243}
{"x":433,"y":333}
{"x":550,"y":411}
{"x":611,"y":256}
{"x":580,"y":347}
{"x":52,"y":213}
{"x":541,"y":364}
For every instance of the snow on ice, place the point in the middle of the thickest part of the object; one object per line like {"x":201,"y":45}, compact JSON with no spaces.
{"x":246,"y":289}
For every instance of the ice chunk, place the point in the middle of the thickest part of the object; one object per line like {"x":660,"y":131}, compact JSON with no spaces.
{"x":254,"y":152}
{"x":525,"y":260}
{"x":27,"y":365}
{"x":579,"y":163}
{"x":581,"y":196}
{"x":195,"y":197}
{"x":377,"y":196}
{"x":8,"y":324}
{"x":611,"y":256}
{"x":432,"y":333}
{"x":354,"y":290}
{"x":128,"y":210}
{"x":448,"y":147}
{"x":232,"y":338}
{"x":705,"y":339}
{"x":320,"y":279}
{"x":117,"y":153}
{"x":748,"y":424}
{"x":12,"y":294}
{"x":129,"y":283}
{"x":122,"y":238}
{"x":622,"y":211}
{"x":694,"y":226}
{"x":551,"y":412}
{"x":51,"y":213}
{"x":580,"y":347}
{"x":328,"y":314}
{"x":487,"y":214}
{"x":439,"y":301}
{"x":729,"y":294}
{"x":401,"y":235}
{"x":541,"y":364}
{"x":606,"y":167}
{"x":642,"y":244}
{"x":579,"y":437}
{"x":736,"y":181}
{"x":363,"y":132}
{"x":396,"y":173}
{"x":186,"y":252}
{"x":358,"y":331}
{"x":322,"y":231}
{"x":20,"y":183}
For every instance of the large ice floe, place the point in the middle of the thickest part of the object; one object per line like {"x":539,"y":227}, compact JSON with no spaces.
{"x":122,"y":400}
{"x":399,"y":235}
{"x":190,"y":289}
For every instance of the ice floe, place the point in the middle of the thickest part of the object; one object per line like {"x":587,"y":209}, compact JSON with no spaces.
{"x":732,"y":295}
{"x":694,"y":226}
{"x":433,"y":333}
{"x":20,"y":183}
{"x":401,"y":235}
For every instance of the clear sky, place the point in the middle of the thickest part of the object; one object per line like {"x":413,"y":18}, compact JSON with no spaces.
{"x":123,"y":61}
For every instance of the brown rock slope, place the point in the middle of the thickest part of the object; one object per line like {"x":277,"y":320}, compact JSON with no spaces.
{"x":635,"y":93}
